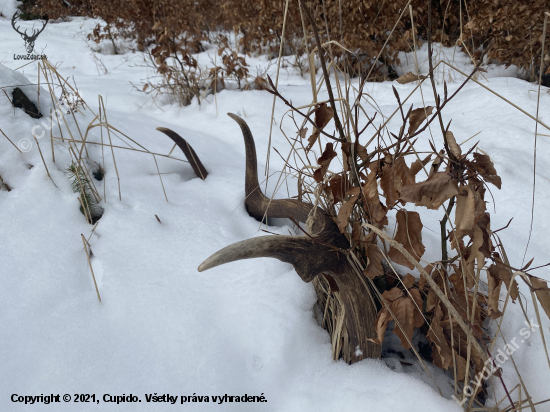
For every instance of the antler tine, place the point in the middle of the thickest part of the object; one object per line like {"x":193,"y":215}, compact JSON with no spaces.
{"x":296,"y":250}
{"x":187,"y":150}
{"x":258,"y":205}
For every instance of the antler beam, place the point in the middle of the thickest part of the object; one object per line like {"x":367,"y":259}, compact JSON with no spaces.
{"x":322,"y":251}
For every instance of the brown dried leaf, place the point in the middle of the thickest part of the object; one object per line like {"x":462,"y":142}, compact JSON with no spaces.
{"x":345,"y":212}
{"x":416,"y":166}
{"x":505,"y":274}
{"x":402,"y":174}
{"x":403,"y":309}
{"x":485,"y":167}
{"x":417,"y":116}
{"x":432,"y":192}
{"x":408,"y":280}
{"x":324,"y":161}
{"x":392,"y":295}
{"x":542,"y":292}
{"x":431,"y":301}
{"x":409,"y":234}
{"x":387,"y":185}
{"x":382,"y":321}
{"x":441,"y":354}
{"x":456,"y":243}
{"x":495,"y":282}
{"x":362,"y":152}
{"x":418,"y":318}
{"x":409,"y":77}
{"x":323,"y":115}
{"x":460,"y":366}
{"x":465,"y":208}
{"x":422,"y":283}
{"x":453,"y":145}
{"x":373,"y":206}
{"x":457,"y":281}
{"x":338,"y":185}
{"x":374,"y":268}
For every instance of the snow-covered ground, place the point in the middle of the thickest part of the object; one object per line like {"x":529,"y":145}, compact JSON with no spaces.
{"x":244,"y":328}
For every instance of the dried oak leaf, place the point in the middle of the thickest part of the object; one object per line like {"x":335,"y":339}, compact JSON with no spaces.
{"x":323,"y":115}
{"x":417,"y":116}
{"x":485,"y":167}
{"x":324,"y":162}
{"x":409,"y":234}
{"x":432,"y":192}
{"x":409,"y":77}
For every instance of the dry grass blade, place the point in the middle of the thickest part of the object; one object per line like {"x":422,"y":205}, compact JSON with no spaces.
{"x":84,"y":242}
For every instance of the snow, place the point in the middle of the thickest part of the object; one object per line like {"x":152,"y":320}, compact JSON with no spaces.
{"x":244,"y":328}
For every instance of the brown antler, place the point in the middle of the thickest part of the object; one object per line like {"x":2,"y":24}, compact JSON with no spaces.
{"x":321,"y":251}
{"x":187,"y":150}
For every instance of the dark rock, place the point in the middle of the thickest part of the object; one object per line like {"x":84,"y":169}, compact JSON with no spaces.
{"x":545,"y":80}
{"x":21,"y":101}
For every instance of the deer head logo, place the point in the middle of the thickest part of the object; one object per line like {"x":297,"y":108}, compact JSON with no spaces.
{"x":29,"y":40}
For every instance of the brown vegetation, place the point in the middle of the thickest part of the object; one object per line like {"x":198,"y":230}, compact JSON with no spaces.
{"x":510,"y":30}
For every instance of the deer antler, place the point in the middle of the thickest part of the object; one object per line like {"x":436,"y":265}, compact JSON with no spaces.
{"x":187,"y":150}
{"x":320,"y":252}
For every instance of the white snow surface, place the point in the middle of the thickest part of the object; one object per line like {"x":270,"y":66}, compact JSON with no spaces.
{"x":243,"y":328}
